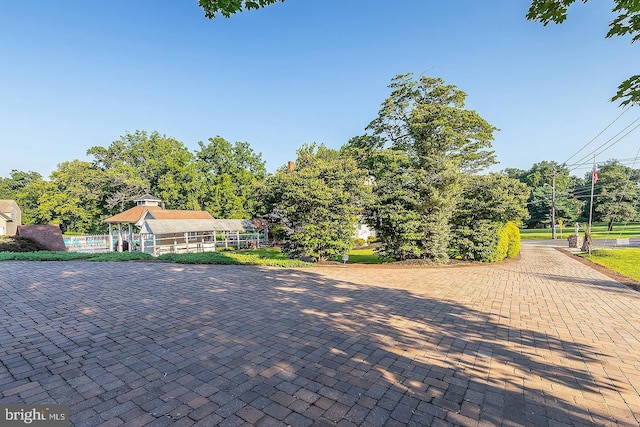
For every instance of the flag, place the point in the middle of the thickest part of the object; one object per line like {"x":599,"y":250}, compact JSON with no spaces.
{"x":595,"y":174}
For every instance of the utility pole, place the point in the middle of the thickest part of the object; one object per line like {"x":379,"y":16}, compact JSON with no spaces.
{"x":553,"y":205}
{"x":594,"y":177}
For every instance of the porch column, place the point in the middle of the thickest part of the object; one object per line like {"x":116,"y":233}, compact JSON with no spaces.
{"x":119,"y":237}
{"x":110,"y":237}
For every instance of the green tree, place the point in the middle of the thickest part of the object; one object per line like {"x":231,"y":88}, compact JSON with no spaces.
{"x":488,"y":203}
{"x":421,"y":145}
{"x":17,"y":181}
{"x":72,"y":198}
{"x":148,"y":163}
{"x":318,"y":203}
{"x":616,"y":194}
{"x":515,"y":173}
{"x":25,"y":188}
{"x":540,"y":180}
{"x":493,"y":197}
{"x":396,"y":210}
{"x":229,"y":174}
{"x":626,"y":22}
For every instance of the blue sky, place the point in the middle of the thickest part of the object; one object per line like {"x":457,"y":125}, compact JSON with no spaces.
{"x":76,"y":74}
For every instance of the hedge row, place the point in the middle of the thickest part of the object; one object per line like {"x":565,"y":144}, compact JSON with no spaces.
{"x":487,"y":241}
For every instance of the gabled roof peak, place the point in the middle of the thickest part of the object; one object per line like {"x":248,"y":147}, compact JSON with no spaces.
{"x":147,"y":200}
{"x":147,"y":197}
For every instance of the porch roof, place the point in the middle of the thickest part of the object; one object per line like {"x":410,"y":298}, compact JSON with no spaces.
{"x":171,"y":226}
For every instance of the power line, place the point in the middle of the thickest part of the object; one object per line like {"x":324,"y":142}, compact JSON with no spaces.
{"x":607,"y":144}
{"x":588,"y":166}
{"x":595,"y":137}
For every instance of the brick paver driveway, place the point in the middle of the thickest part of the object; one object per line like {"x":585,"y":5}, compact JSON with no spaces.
{"x":541,"y":341}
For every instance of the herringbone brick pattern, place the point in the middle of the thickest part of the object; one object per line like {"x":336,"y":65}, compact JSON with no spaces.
{"x":541,"y":341}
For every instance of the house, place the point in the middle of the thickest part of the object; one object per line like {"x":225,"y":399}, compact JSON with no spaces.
{"x":10,"y":217}
{"x":364,"y":231}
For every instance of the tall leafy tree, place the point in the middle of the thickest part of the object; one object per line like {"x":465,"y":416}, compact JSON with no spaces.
{"x":493,"y":197}
{"x":153,"y":163}
{"x":540,"y":180}
{"x":318,"y":203}
{"x":396,"y":210}
{"x":229,"y":174}
{"x":72,"y":198}
{"x":420,"y":147}
{"x":25,"y":188}
{"x":616,"y":194}
{"x":17,"y":181}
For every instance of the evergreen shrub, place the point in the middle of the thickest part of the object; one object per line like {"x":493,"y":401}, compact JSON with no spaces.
{"x":501,"y":248}
{"x":485,"y":241}
{"x":513,"y":233}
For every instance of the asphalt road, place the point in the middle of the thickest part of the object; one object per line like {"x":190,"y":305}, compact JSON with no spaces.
{"x":634,"y":242}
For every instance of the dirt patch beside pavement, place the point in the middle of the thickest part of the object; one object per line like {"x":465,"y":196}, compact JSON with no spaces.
{"x":633,"y":284}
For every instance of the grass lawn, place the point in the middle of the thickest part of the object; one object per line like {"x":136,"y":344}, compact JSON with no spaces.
{"x":70,"y":256}
{"x":620,"y":230}
{"x":271,"y":257}
{"x":624,"y":261}
{"x":365,"y":256}
{"x":267,"y":256}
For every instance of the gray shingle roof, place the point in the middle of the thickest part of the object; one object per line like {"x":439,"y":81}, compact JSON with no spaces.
{"x":170,"y":226}
{"x":147,"y":197}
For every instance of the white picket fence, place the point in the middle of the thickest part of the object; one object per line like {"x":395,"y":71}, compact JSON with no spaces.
{"x":192,"y":242}
{"x":202,"y":242}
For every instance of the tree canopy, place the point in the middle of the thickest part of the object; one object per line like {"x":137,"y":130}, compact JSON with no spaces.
{"x":540,"y":182}
{"x":423,"y":151}
{"x":142,"y":162}
{"x":318,"y":203}
{"x":228,"y":174}
{"x":616,"y":193}
{"x":219,"y":177}
{"x":25,"y":188}
{"x":228,"y":7}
